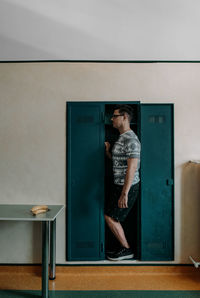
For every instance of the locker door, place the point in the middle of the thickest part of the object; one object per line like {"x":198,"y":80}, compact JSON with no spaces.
{"x":85,"y":181}
{"x":157,"y":187}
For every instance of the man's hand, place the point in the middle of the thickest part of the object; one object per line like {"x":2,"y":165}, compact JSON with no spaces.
{"x":107,"y":145}
{"x":123,"y":201}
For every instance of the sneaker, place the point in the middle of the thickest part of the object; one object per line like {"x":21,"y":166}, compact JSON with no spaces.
{"x":122,"y":254}
{"x":110,"y":252}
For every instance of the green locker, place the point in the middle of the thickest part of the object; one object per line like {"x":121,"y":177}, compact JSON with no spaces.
{"x":85,"y":181}
{"x":157,"y":182}
{"x":87,"y":128}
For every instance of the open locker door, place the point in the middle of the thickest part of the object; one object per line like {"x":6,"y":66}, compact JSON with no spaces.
{"x":85,"y":181}
{"x":157,"y":182}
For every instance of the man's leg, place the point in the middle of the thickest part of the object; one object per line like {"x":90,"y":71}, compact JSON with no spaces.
{"x":117,"y":230}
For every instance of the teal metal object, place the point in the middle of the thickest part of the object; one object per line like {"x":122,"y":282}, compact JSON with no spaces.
{"x":87,"y":125}
{"x":23,"y":213}
{"x":85,"y":181}
{"x":157,"y":182}
{"x":45,"y":259}
{"x":52,"y":275}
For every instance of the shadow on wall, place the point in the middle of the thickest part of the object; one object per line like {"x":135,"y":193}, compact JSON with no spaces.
{"x":190,"y":213}
{"x":37,"y":243}
{"x":42,"y":36}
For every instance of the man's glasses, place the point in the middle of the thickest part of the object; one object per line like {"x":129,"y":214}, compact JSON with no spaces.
{"x":116,"y":115}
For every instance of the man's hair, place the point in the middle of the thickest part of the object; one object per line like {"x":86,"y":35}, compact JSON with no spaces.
{"x":125,"y":109}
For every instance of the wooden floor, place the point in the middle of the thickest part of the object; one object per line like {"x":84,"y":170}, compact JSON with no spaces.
{"x":103,"y":278}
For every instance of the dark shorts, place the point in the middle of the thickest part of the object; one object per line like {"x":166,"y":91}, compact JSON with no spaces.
{"x":111,"y":207}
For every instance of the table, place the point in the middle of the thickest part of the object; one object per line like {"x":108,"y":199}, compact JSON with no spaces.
{"x":48,"y":220}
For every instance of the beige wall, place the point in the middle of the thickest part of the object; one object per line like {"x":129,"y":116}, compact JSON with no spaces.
{"x":33,"y":140}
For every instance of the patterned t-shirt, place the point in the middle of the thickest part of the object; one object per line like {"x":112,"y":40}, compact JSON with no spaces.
{"x":127,"y":146}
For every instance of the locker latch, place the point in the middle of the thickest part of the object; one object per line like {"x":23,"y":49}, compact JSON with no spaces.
{"x":170,"y":182}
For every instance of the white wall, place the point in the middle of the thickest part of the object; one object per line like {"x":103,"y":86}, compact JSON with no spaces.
{"x":99,"y":30}
{"x":33,"y":140}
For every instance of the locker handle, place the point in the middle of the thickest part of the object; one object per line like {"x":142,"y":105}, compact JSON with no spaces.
{"x":170,"y":181}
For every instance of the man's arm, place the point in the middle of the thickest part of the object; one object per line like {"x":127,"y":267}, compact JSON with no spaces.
{"x":132,"y":166}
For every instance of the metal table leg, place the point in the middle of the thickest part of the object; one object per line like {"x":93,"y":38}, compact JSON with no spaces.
{"x":45,"y":259}
{"x":53,"y":250}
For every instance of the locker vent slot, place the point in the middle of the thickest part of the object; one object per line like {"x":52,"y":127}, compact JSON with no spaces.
{"x":157,"y":119}
{"x":85,"y":244}
{"x":157,"y":245}
{"x":85,"y":119}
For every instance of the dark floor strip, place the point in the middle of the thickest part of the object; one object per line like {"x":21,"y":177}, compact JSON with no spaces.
{"x":101,"y":294}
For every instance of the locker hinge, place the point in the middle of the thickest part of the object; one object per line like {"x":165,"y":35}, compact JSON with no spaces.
{"x":103,"y":116}
{"x":102,"y":247}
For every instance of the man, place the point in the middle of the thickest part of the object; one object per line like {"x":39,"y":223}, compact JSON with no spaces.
{"x":126,"y":162}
